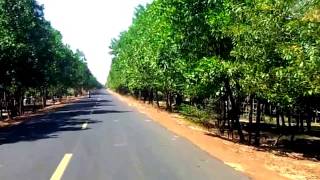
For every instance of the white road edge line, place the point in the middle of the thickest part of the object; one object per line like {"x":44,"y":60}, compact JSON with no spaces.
{"x":84,"y":125}
{"x":57,"y":175}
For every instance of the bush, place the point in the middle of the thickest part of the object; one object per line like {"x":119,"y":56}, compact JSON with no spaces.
{"x":195,"y":114}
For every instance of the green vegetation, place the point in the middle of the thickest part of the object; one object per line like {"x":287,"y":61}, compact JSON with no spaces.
{"x":225,"y":56}
{"x":194,"y":113}
{"x":33,"y":59}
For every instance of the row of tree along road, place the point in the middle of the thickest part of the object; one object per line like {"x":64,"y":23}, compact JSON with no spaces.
{"x":34,"y":62}
{"x":241,"y":66}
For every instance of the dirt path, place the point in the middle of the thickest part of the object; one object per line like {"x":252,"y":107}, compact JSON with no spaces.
{"x":259,"y":165}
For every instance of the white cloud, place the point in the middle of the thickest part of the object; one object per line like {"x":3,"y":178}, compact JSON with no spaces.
{"x":89,"y":25}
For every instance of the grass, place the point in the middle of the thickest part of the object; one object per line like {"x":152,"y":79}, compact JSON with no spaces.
{"x":195,"y":114}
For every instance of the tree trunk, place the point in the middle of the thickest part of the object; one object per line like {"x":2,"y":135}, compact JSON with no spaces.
{"x":235,"y":112}
{"x":224,"y":118}
{"x":283,"y":122}
{"x":6,"y":101}
{"x":34,"y":104}
{"x":1,"y":117}
{"x":309,"y":118}
{"x":140,"y":94}
{"x":278,"y":117}
{"x":301,"y":124}
{"x":179,"y":99}
{"x":20,"y":96}
{"x":298,"y":121}
{"x":257,"y":128}
{"x":250,"y":118}
{"x":21,"y":105}
{"x":1,"y":105}
{"x":168,"y":107}
{"x":44,"y":98}
{"x":144,"y":95}
{"x":291,"y":129}
{"x":170,"y":101}
{"x":44,"y":101}
{"x":289,"y":118}
{"x":238,"y":126}
{"x":8,"y":111}
{"x":135,"y":94}
{"x":12,"y":107}
{"x":157,"y":99}
{"x":229,"y":116}
{"x":151,"y":96}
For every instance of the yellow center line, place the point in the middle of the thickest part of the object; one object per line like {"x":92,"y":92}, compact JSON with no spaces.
{"x":57,"y":175}
{"x":85,"y":125}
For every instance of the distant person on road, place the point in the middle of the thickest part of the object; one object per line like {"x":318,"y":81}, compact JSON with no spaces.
{"x":89,"y":94}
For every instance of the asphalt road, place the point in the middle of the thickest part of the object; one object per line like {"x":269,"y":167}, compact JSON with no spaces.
{"x":102,"y":138}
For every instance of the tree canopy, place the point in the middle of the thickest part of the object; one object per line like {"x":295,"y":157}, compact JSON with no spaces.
{"x":223,"y":51}
{"x":33,"y":57}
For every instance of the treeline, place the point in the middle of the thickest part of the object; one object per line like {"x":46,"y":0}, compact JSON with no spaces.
{"x":34,"y":62}
{"x":225,"y":56}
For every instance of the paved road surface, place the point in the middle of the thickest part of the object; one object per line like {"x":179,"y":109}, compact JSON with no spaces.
{"x":102,"y":138}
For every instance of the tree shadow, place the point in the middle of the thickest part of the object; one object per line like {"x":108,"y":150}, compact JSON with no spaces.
{"x":62,"y":114}
{"x":41,"y":129}
{"x":222,"y":137}
{"x":93,"y":101}
{"x":108,"y":111}
{"x":88,"y":103}
{"x":299,"y":149}
{"x":68,"y":118}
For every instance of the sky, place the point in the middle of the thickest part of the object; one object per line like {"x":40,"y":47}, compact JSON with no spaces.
{"x":89,"y":25}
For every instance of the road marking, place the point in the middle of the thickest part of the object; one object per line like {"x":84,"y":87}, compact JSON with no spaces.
{"x":147,"y":120}
{"x":174,"y":138}
{"x":115,"y":120}
{"x":120,"y":144}
{"x":84,"y":125}
{"x":57,"y":175}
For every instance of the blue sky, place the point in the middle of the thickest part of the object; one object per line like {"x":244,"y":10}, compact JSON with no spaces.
{"x":89,"y":25}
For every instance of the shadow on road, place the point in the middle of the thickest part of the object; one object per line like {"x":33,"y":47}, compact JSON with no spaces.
{"x":69,"y":118}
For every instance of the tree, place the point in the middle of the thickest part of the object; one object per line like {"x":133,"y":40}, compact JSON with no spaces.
{"x":33,"y":58}
{"x":219,"y":55}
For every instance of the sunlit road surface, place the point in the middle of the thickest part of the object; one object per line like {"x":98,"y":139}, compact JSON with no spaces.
{"x":102,"y":138}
